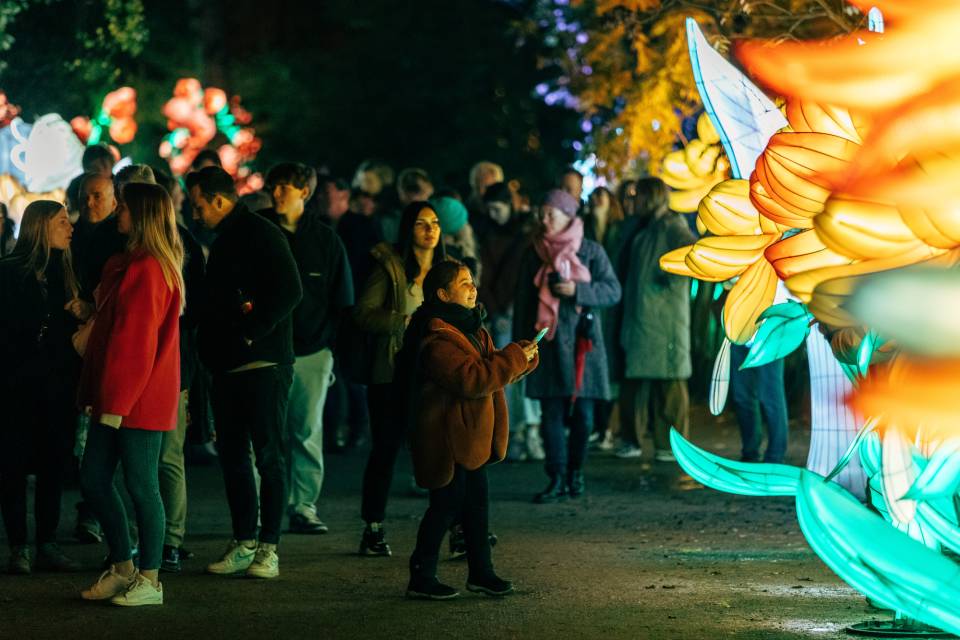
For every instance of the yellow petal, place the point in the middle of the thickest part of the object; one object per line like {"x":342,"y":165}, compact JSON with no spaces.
{"x":706,"y":130}
{"x":719,"y":258}
{"x":673,"y":262}
{"x":937,"y":226}
{"x":863,"y":230}
{"x":803,"y":284}
{"x":801,"y":252}
{"x":727,"y":210}
{"x":750,"y":297}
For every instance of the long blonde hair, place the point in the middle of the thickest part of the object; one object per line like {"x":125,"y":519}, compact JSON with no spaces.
{"x":33,"y":245}
{"x":153,"y":228}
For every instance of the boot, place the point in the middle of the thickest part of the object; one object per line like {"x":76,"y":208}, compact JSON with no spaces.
{"x":555,"y":491}
{"x":424,"y":584}
{"x":575,"y":483}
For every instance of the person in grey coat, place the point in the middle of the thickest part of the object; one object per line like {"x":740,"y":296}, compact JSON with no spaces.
{"x":655,"y":334}
{"x":562,"y":278}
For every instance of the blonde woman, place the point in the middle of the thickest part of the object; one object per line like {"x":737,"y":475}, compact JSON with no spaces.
{"x":37,"y":381}
{"x":130,"y":385}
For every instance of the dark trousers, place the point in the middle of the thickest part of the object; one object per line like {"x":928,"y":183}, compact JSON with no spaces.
{"x":250,"y":409}
{"x":467,"y":496}
{"x":36,"y":438}
{"x":138,"y":450}
{"x":565,"y":452}
{"x":387,"y":434}
{"x":654,"y":405}
{"x":759,"y":391}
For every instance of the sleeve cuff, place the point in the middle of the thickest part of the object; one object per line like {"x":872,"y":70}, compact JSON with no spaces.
{"x":111,"y":420}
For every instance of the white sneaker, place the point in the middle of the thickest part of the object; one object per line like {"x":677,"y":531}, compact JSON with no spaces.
{"x":141,"y":592}
{"x":109,"y":584}
{"x":607,"y":444}
{"x":236,"y":559}
{"x":535,"y":443}
{"x":266,"y":564}
{"x":664,"y":455}
{"x":629,"y":451}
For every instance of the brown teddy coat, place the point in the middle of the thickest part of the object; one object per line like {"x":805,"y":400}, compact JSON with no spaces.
{"x":462,"y":417}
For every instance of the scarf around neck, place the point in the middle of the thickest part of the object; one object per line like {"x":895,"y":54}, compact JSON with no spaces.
{"x":558,"y":254}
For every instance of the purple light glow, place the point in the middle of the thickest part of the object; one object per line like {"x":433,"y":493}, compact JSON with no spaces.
{"x":586,"y":70}
{"x":582,"y":38}
{"x":586,"y":126}
{"x":542,"y":89}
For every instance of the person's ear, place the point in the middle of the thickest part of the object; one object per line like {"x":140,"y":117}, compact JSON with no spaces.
{"x":305,"y":193}
{"x":443,"y":295}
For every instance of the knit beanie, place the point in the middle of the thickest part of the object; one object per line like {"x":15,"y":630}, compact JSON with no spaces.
{"x":563,"y":201}
{"x":498,"y":192}
{"x":451,"y":212}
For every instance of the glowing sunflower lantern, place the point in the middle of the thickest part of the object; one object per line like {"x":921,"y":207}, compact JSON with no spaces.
{"x":735,"y":251}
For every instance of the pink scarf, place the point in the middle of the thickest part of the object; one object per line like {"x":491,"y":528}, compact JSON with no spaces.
{"x":558,"y":253}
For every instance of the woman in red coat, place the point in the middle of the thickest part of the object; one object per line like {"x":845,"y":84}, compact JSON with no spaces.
{"x":130,"y":386}
{"x":458,"y":417}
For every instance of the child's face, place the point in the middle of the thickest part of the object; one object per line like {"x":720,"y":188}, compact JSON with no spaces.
{"x":462,"y":290}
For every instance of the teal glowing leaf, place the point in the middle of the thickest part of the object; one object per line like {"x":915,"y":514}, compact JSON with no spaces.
{"x":853,"y":448}
{"x":784,"y":328}
{"x":940,"y":477}
{"x":720,"y":381}
{"x":870,"y":343}
{"x":938,"y":520}
{"x":875,"y":559}
{"x":744,"y":478}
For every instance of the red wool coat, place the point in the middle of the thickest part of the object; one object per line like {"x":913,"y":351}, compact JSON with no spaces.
{"x":132,"y":362}
{"x":462,"y":413}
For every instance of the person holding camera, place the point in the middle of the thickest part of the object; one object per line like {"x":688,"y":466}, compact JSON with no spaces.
{"x":562,"y":277}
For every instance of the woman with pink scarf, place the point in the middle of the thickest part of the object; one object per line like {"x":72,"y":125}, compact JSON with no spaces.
{"x":563,"y":276}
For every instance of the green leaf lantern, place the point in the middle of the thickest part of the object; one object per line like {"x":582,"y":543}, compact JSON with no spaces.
{"x":784,"y":328}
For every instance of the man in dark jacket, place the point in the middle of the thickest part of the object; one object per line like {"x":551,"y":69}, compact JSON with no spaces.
{"x":246,"y":340}
{"x":327,"y":291}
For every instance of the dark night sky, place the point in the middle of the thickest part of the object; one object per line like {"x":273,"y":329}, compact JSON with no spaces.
{"x":434,"y":83}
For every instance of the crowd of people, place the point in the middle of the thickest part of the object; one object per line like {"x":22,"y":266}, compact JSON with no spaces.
{"x":468,"y":327}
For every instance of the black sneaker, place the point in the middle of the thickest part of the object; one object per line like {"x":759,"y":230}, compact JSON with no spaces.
{"x":424,"y":589}
{"x":170,"y":560}
{"x":373,"y":542}
{"x":88,"y":529}
{"x":186,"y":554}
{"x":300,"y":523}
{"x":51,"y":558}
{"x":490,"y":585}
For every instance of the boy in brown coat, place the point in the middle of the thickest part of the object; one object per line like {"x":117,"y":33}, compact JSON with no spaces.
{"x":453,"y":378}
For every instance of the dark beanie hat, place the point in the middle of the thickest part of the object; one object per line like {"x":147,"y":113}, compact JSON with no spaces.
{"x":498,"y":192}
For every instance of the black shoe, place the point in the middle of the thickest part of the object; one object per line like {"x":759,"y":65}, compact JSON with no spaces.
{"x":51,"y":558}
{"x":554,"y":492}
{"x":430,"y":589}
{"x":186,"y":554}
{"x":300,"y":523}
{"x":373,"y":542}
{"x":170,"y":560}
{"x":490,"y":585}
{"x":88,"y":530}
{"x":575,"y":483}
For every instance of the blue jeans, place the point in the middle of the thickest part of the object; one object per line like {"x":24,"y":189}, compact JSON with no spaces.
{"x":139,"y":452}
{"x":566,"y":452}
{"x":755,"y":392}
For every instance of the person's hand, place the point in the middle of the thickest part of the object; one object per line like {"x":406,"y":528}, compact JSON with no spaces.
{"x":530,"y":349}
{"x":79,"y":309}
{"x":564,"y":289}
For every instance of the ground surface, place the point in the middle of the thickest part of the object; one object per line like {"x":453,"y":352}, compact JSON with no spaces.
{"x":648,"y":554}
